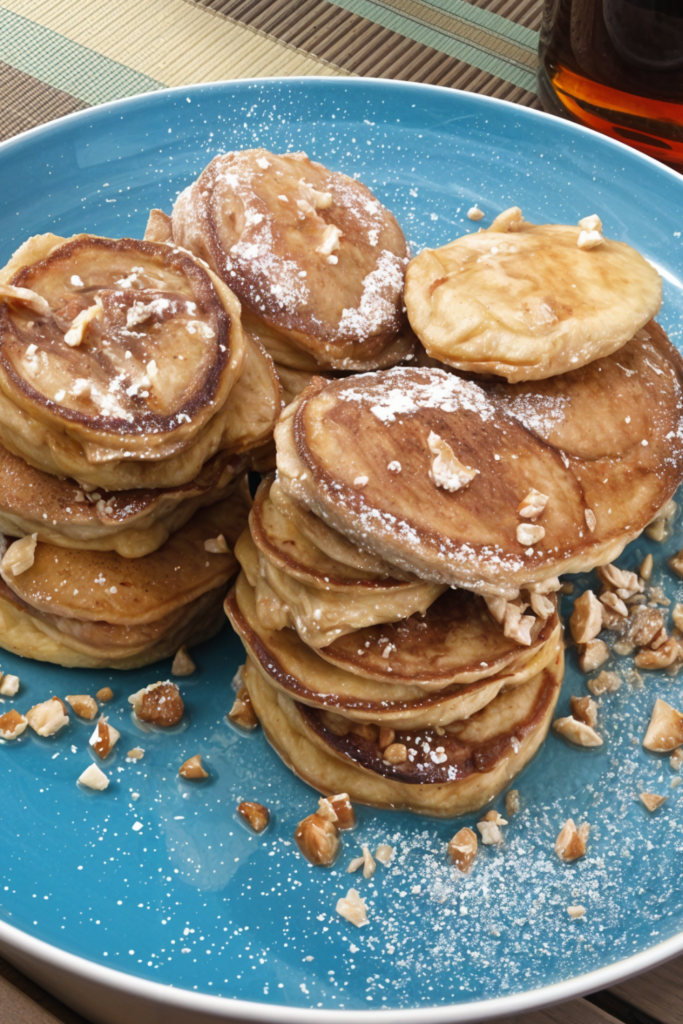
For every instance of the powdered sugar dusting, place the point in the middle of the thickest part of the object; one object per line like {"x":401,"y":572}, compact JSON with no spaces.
{"x":381,"y":288}
{"x":397,"y":394}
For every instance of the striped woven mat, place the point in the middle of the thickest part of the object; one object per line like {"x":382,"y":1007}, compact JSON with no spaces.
{"x":57,"y":56}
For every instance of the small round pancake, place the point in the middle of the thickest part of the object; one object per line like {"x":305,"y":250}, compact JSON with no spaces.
{"x":138,"y":395}
{"x":291,"y":666}
{"x":281,"y":542}
{"x":132,"y":523}
{"x":447,"y":776}
{"x":73,"y":643}
{"x":95,"y":586}
{"x":529,"y":303}
{"x":329,"y":541}
{"x":320,"y":616}
{"x":603,"y":443}
{"x":310,"y":252}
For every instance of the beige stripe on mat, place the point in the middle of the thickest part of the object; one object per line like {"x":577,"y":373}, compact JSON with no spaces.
{"x":169,"y":40}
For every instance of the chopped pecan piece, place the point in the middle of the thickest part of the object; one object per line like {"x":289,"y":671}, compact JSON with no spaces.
{"x":343,"y":808}
{"x":12,"y":724}
{"x":192,"y":768}
{"x":255,"y":814}
{"x":20,"y":555}
{"x":665,"y":731}
{"x":105,"y":694}
{"x":397,"y":753}
{"x":571,"y":842}
{"x":592,"y":655}
{"x":586,"y":618}
{"x":577,"y":732}
{"x":352,"y":907}
{"x":317,"y":839}
{"x":652,"y":800}
{"x":84,"y":705}
{"x":159,"y":703}
{"x":104,"y":738}
{"x":462,"y":849}
{"x":585,"y":710}
{"x":9,"y":685}
{"x":48,"y":717}
{"x":183,"y":664}
{"x":93,"y":778}
{"x":606,"y":682}
{"x":662,"y":657}
{"x":242,"y":711}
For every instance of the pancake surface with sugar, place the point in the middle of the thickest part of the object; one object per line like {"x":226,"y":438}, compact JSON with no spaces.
{"x":603,"y":444}
{"x":311,"y":253}
{"x":118,"y":371}
{"x":528,"y":303}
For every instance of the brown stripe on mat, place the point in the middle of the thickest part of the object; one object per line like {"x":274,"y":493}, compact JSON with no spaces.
{"x":522,"y":12}
{"x":27,"y":102}
{"x":362,"y":47}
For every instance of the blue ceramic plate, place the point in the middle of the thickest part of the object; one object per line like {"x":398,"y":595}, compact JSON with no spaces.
{"x":156,"y":878}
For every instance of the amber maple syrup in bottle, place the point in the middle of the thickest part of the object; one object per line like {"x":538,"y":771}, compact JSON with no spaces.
{"x":617,"y":66}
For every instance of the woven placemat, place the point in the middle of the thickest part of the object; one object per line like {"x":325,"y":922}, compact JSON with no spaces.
{"x":58,"y":57}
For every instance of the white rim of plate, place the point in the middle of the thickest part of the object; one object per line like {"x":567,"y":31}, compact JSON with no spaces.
{"x":273,"y":1013}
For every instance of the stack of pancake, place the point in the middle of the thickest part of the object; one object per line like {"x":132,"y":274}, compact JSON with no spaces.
{"x":397,"y":596}
{"x":130,"y":400}
{"x":315,"y":259}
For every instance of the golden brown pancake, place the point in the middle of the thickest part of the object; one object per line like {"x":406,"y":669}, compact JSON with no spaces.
{"x":528,"y":303}
{"x":603,"y":443}
{"x":74,"y":643}
{"x":132,"y":523}
{"x":140,"y":395}
{"x":320,"y":616}
{"x":447,"y":775}
{"x":96,"y":609}
{"x":291,"y":666}
{"x":96,"y":586}
{"x":329,"y":541}
{"x":286,"y":547}
{"x":310,"y":252}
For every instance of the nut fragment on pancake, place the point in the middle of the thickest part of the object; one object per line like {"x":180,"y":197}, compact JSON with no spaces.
{"x":489,"y":828}
{"x":571,"y":841}
{"x":652,"y":800}
{"x":242,"y":711}
{"x":326,"y":810}
{"x":353,"y":908}
{"x":528,"y":534}
{"x":530,"y":304}
{"x":12,"y":724}
{"x":193,"y":768}
{"x":159,"y":703}
{"x":9,"y":685}
{"x":48,"y":717}
{"x":20,"y":555}
{"x":317,"y":839}
{"x":447,"y":470}
{"x":577,"y":732}
{"x":396,"y":753}
{"x":462,"y":849}
{"x":216,"y":545}
{"x":183,"y":664}
{"x":93,"y":778}
{"x":663,"y":657}
{"x":255,"y":814}
{"x":338,"y":429}
{"x":105,"y":694}
{"x":665,"y":731}
{"x":474,"y":213}
{"x":325,"y":274}
{"x":533,"y":504}
{"x":126,"y":380}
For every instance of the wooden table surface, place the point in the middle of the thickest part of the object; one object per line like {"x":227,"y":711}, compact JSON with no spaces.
{"x":58,"y":57}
